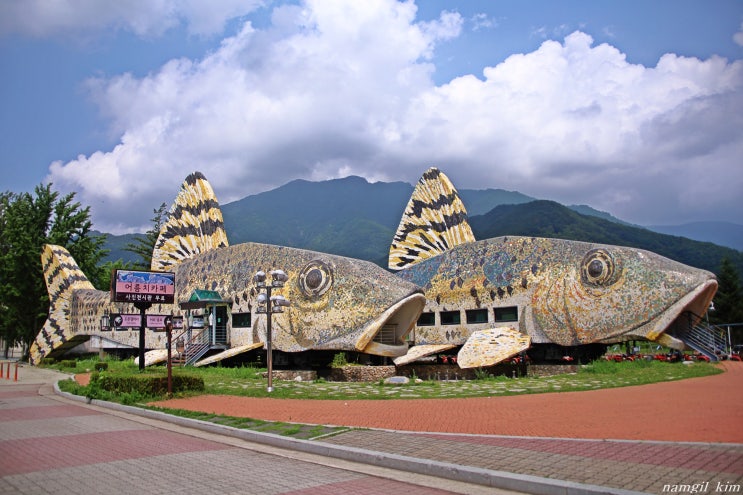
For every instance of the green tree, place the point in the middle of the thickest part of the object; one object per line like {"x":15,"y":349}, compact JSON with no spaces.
{"x":729,"y":297}
{"x":5,"y":199}
{"x":28,"y":222}
{"x":143,"y":246}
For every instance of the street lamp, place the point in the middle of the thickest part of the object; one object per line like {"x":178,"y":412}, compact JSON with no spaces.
{"x":269,"y":305}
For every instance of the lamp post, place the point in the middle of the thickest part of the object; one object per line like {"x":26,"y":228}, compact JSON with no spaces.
{"x":269,"y":305}
{"x":169,"y":334}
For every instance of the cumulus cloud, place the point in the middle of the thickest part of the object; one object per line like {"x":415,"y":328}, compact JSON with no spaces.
{"x":42,"y":18}
{"x":332,"y":89}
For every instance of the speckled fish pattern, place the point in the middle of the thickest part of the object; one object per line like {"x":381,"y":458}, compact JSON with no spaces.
{"x":571,"y":292}
{"x":337,"y":303}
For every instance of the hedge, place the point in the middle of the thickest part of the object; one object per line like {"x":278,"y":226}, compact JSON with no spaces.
{"x":148,"y":385}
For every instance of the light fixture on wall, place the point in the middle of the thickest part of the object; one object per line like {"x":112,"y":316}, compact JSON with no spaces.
{"x":105,"y":322}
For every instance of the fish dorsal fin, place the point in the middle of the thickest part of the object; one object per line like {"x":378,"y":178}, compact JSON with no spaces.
{"x":194,"y":225}
{"x":63,"y":277}
{"x":434,"y":221}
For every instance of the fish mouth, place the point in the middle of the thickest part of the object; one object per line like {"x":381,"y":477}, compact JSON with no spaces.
{"x":686,"y":310}
{"x":384,"y":336}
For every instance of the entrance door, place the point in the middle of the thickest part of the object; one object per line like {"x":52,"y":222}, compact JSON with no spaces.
{"x":220,"y":334}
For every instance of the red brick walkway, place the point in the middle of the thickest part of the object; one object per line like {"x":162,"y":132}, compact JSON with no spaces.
{"x":708,"y":409}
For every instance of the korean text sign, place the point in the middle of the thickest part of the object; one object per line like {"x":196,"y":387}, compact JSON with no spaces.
{"x":132,"y":286}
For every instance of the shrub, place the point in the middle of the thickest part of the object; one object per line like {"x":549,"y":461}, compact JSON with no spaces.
{"x":339,"y":360}
{"x":100,"y":366}
{"x":149,"y":385}
{"x":481,"y":374}
{"x":68,"y":363}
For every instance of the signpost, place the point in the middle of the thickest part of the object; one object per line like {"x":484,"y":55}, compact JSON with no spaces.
{"x":143,"y":289}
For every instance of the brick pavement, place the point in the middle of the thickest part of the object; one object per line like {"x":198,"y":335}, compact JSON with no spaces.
{"x":49,"y":445}
{"x":614,"y":462}
{"x":632,"y":438}
{"x":628,"y":465}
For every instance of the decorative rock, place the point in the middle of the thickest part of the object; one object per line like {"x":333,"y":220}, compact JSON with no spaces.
{"x":397,"y":380}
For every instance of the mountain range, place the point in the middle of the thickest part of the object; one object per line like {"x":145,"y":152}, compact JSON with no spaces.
{"x":355,"y":218}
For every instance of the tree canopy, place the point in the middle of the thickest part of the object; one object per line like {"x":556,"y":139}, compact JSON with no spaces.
{"x":143,"y":246}
{"x":27,"y":222}
{"x":729,"y":296}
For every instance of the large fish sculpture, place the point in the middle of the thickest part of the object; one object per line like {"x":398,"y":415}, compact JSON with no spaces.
{"x":337,"y":303}
{"x":498,"y":297}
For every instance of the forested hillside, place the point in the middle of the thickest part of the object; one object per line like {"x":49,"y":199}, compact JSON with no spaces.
{"x":356,"y":218}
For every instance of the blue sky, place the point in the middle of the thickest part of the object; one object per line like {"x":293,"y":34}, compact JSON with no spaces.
{"x":632,"y":107}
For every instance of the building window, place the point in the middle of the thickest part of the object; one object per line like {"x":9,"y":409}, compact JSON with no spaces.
{"x":427,"y":320}
{"x":450,"y":318}
{"x":241,"y":320}
{"x":510,"y":313}
{"x":477,"y":316}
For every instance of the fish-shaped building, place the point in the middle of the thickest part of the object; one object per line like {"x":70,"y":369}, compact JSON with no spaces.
{"x":492,"y":299}
{"x":337,"y":303}
{"x":485,"y":300}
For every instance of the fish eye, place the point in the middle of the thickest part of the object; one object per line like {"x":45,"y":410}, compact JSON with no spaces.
{"x":315,"y":278}
{"x":599,"y":268}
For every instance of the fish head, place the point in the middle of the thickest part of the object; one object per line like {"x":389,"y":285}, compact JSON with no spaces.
{"x":336,"y":303}
{"x":597,"y":293}
{"x":352,"y":303}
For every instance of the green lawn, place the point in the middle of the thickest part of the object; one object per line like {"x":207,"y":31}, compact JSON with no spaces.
{"x":249,"y":382}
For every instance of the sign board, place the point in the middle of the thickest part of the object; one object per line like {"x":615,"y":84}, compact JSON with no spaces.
{"x":123,"y":321}
{"x":131,"y":286}
{"x":157,"y":322}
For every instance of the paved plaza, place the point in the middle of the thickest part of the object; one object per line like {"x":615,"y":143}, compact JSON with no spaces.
{"x":50,"y":443}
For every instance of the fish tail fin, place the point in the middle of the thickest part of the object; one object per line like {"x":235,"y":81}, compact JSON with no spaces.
{"x":194,"y":225}
{"x":434,"y":221}
{"x":63,"y":277}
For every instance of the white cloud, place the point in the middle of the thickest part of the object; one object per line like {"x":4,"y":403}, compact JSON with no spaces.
{"x":42,"y":18}
{"x":339,"y":88}
{"x":483,"y":21}
{"x":738,"y":37}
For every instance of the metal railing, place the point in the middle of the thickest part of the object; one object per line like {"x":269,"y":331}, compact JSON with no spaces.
{"x":387,"y":335}
{"x":220,"y":334}
{"x":700,"y":336}
{"x":193,"y":348}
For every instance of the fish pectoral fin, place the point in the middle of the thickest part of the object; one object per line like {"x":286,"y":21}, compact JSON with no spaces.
{"x":194,"y":225}
{"x":434,"y":221}
{"x":419,"y":351}
{"x":153,"y":356}
{"x":491,"y":346}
